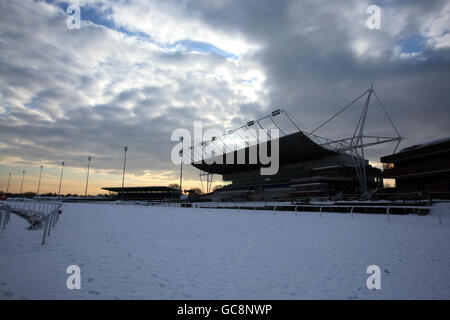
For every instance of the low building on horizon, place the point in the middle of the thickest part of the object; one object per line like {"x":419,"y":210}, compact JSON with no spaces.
{"x":151,"y":193}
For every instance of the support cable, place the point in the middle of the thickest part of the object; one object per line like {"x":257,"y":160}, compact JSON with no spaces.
{"x":342,"y":110}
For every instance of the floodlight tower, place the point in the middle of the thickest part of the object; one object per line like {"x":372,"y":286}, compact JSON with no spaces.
{"x":181,"y":165}
{"x":9,"y":180}
{"x":60,"y":179}
{"x":125,"y":149}
{"x":87,"y":177}
{"x":39,"y":182}
{"x":21,"y":183}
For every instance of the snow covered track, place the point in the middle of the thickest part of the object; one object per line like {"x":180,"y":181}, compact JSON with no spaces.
{"x":138,"y":252}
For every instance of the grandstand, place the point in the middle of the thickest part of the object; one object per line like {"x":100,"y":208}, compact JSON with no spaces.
{"x":306,"y":169}
{"x":309,"y":165}
{"x":152,"y":193}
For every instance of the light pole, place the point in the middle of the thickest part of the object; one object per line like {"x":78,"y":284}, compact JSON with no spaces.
{"x":9,"y":180}
{"x":39,"y":183}
{"x":21,"y":183}
{"x":181,"y":166}
{"x":125,"y":149}
{"x":87,"y":177}
{"x":60,"y":179}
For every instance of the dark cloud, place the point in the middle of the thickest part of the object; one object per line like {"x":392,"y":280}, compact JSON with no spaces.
{"x":313,"y":70}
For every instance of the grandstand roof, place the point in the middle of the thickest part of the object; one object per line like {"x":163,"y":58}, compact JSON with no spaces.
{"x":296,"y":147}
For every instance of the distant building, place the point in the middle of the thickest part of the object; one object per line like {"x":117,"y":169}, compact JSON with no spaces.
{"x":420,"y":168}
{"x":145,"y":193}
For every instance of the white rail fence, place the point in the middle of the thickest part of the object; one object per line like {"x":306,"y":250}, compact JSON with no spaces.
{"x":38,"y":213}
{"x":5,"y":214}
{"x":319,"y":208}
{"x":287,"y":206}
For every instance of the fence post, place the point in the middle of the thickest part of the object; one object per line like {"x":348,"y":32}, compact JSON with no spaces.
{"x":45,"y":230}
{"x":351,"y":211}
{"x":275,"y":209}
{"x":296,"y":210}
{"x":50,"y":218}
{"x":388,"y":213}
{"x":320,"y":215}
{"x":54,"y":218}
{"x":5,"y":219}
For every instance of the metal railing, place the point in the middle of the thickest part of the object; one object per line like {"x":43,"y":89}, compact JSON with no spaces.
{"x":38,"y":213}
{"x":5,"y":214}
{"x":319,"y":208}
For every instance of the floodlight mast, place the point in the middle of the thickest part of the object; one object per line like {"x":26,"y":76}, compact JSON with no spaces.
{"x":181,"y":153}
{"x":9,"y":180}
{"x":60,"y":179}
{"x":87,"y":176}
{"x":39,"y":183}
{"x":21,"y":183}
{"x":125,"y":149}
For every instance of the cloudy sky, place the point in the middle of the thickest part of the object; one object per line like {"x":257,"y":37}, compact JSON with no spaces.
{"x":136,"y":70}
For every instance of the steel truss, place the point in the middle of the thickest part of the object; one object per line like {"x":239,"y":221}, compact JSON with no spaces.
{"x":355,"y":145}
{"x":209,"y":181}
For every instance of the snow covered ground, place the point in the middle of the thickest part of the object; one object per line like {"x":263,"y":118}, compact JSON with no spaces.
{"x":131,"y":252}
